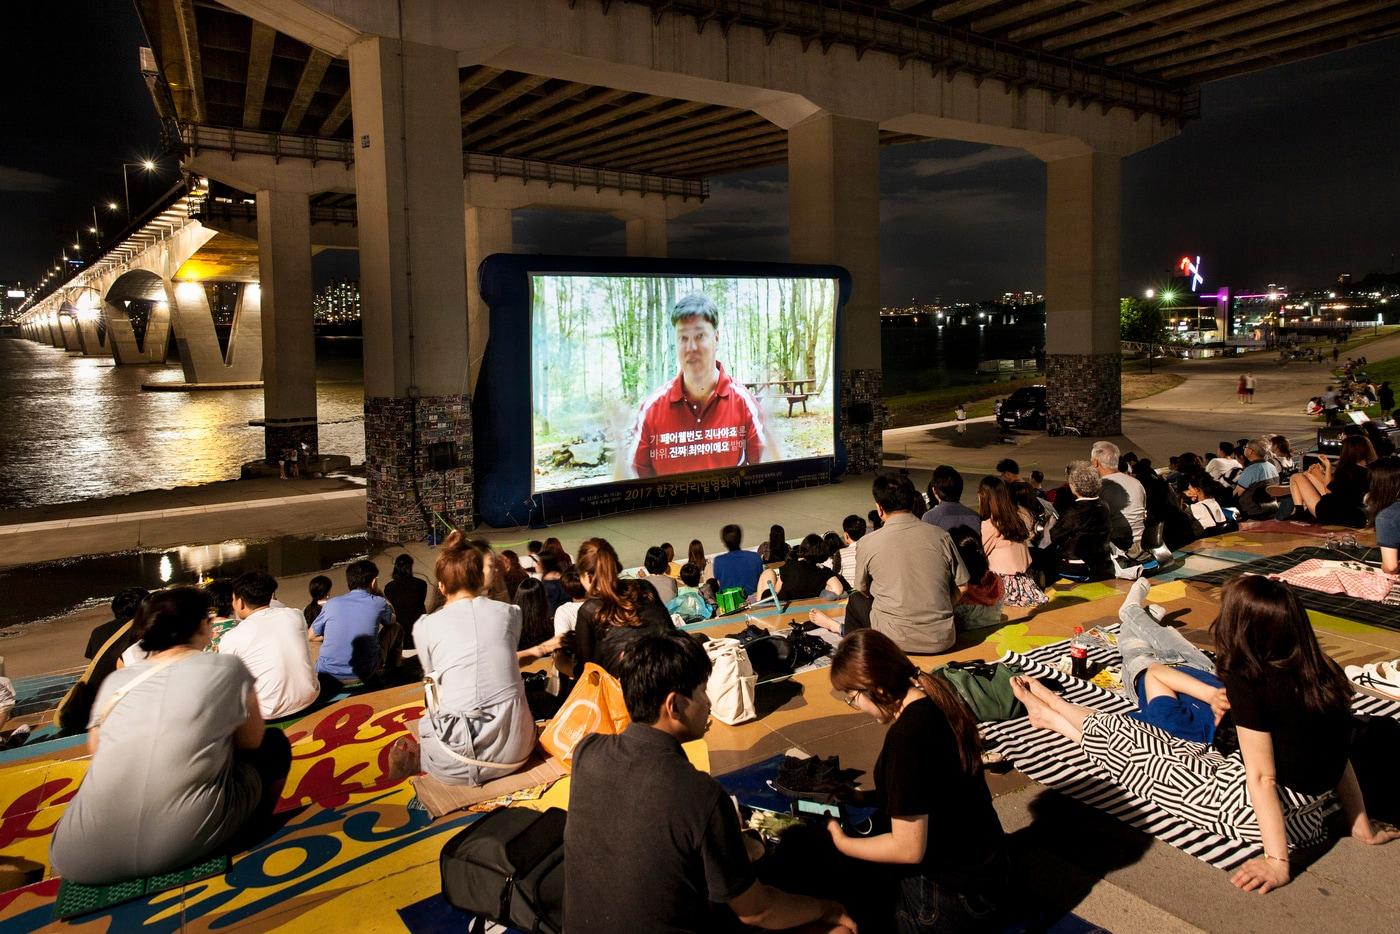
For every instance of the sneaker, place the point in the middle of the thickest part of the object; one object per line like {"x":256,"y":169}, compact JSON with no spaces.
{"x":1381,"y":680}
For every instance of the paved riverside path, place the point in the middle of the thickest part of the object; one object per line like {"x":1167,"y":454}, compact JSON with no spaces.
{"x":1194,"y":416}
{"x":234,"y":509}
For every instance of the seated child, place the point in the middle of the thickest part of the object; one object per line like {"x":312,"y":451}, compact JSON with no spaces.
{"x":980,"y":604}
{"x":690,"y":603}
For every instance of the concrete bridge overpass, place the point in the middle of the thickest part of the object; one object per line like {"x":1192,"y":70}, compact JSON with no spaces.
{"x":301,"y":103}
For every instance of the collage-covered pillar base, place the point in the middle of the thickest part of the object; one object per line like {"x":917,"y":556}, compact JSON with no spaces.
{"x":864,"y":419}
{"x":418,"y":463}
{"x":1085,"y":391}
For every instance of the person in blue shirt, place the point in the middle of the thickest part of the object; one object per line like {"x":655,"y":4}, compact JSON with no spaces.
{"x":1383,"y":501}
{"x":1258,"y":469}
{"x":736,"y":567}
{"x":358,"y":635}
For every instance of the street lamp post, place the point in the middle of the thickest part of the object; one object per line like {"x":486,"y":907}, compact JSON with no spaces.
{"x":146,"y":164}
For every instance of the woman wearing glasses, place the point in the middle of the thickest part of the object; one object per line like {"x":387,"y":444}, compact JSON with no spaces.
{"x":930,"y":764}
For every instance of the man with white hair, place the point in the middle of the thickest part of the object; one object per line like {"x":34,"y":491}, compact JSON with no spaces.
{"x":1124,"y":495}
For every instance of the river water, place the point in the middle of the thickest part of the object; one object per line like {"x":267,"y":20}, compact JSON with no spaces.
{"x":74,"y":428}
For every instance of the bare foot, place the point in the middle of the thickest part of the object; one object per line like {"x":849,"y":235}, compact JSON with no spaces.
{"x":403,"y":759}
{"x":1041,"y":714}
{"x":819,"y":618}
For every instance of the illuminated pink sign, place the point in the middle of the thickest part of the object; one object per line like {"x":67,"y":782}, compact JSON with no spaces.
{"x":1188,"y":268}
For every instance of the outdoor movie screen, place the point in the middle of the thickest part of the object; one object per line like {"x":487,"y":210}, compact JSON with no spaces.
{"x":642,"y":376}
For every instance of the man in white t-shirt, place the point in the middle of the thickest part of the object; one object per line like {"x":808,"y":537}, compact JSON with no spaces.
{"x":271,"y":642}
{"x":1125,"y":497}
{"x":1224,"y":465}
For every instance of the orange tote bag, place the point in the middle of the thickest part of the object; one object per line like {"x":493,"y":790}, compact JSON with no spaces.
{"x":595,"y":705}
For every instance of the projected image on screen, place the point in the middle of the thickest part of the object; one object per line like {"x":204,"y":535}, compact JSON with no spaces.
{"x":634,"y":377}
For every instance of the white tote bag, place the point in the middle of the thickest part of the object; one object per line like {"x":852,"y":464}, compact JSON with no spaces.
{"x":732,"y":682}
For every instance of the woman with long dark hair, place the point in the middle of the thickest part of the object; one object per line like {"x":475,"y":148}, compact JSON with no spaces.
{"x":407,"y":594}
{"x":802,"y":575}
{"x":1006,"y":531}
{"x":536,"y":623}
{"x":1383,"y":507}
{"x":696,"y":555}
{"x":1291,"y":707}
{"x":514,"y":572}
{"x":776,"y":548}
{"x":930,"y":764}
{"x":612,"y":602}
{"x":1335,"y":494}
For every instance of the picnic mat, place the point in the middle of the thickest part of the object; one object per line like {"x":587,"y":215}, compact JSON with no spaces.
{"x":1058,"y":763}
{"x":1374,"y":612}
{"x":77,"y":899}
{"x":439,"y":797}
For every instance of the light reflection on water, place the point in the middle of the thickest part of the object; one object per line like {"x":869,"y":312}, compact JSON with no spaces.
{"x":76,"y":428}
{"x":55,"y":588}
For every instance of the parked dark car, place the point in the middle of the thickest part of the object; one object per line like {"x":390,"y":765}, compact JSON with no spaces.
{"x":1024,"y":408}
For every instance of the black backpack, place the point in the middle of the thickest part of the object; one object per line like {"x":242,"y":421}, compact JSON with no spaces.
{"x":509,"y":867}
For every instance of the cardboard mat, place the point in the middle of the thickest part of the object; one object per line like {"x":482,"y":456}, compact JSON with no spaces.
{"x":439,"y":798}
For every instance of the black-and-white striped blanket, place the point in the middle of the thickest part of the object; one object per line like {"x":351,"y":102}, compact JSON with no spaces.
{"x":1058,"y":763}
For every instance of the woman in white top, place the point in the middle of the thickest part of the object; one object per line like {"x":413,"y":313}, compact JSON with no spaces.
{"x":481,"y":727}
{"x":182,"y":764}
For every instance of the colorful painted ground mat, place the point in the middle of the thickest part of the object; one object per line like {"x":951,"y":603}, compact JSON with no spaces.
{"x":1058,"y":763}
{"x":1376,"y":613}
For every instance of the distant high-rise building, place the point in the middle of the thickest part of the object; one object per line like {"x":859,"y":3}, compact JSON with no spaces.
{"x":337,"y":303}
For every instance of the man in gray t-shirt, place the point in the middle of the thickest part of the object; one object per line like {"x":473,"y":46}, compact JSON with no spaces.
{"x":907,"y":577}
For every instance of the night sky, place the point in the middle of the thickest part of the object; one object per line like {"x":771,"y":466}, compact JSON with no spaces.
{"x":1291,"y":176}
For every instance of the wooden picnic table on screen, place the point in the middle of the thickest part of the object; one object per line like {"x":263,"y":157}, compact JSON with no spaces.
{"x":793,"y":389}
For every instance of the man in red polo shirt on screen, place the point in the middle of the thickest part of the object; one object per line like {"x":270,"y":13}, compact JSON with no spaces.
{"x":701,"y":420}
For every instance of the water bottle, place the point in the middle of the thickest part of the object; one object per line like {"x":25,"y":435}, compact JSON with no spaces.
{"x":1079,"y":654}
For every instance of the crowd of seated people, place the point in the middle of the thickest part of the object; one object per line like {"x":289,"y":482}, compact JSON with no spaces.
{"x":910,"y":585}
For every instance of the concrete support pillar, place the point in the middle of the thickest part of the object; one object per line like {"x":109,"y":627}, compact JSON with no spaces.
{"x":121,"y":336}
{"x":155,"y":346}
{"x":488,"y":231}
{"x":288,"y":335}
{"x":68,"y":333}
{"x":834,"y":217}
{"x":203,"y":361}
{"x":646,"y":236}
{"x":1083,"y":356}
{"x":406,"y":109}
{"x":93,"y":342}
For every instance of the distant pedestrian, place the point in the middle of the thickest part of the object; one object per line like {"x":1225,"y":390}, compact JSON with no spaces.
{"x":1249,"y":388}
{"x":1336,"y":353}
{"x":1331,"y":405}
{"x":1241,"y":390}
{"x":961,"y":416}
{"x":1386,"y":396}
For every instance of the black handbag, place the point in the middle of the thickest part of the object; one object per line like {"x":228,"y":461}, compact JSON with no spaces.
{"x":508,"y":867}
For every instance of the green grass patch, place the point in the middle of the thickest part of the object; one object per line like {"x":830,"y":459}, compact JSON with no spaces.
{"x":1379,"y":372}
{"x":937,"y":405}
